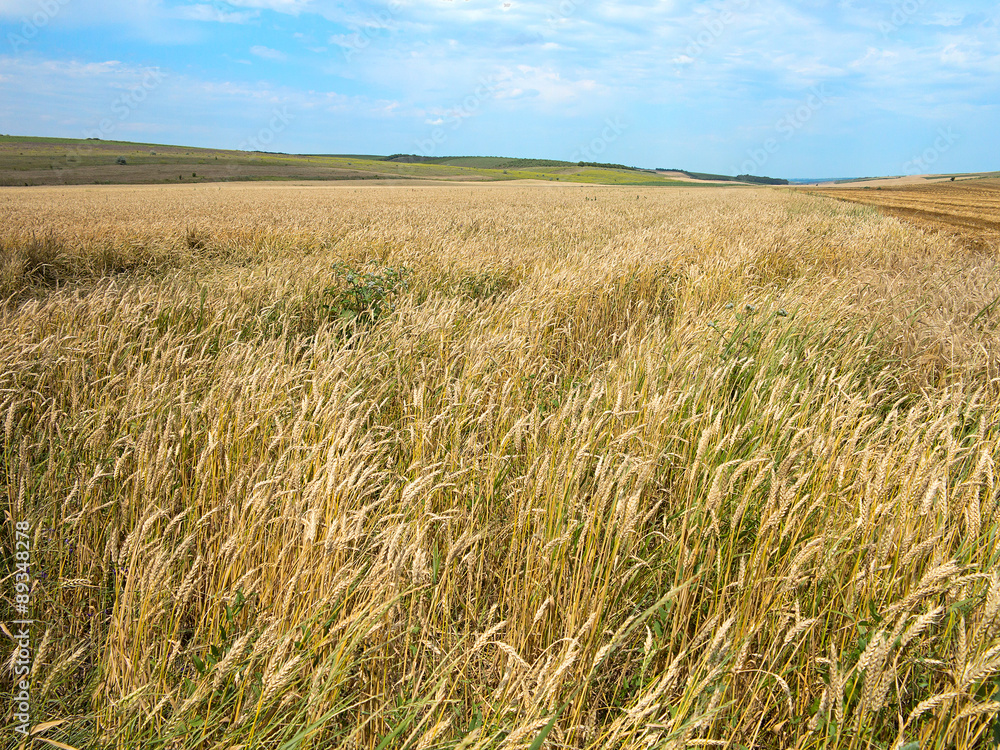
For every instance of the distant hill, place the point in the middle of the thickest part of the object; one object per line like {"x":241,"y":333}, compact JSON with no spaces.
{"x":501,"y":162}
{"x":28,"y":160}
{"x":480,"y":162}
{"x":748,"y":178}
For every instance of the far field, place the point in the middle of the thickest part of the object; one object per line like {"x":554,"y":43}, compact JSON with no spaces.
{"x":968,"y":207}
{"x":500,"y":466}
{"x":52,"y":161}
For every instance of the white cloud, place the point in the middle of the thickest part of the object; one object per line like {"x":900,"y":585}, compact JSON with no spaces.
{"x":87,"y":92}
{"x":18,"y":8}
{"x":291,"y":7}
{"x":343,"y":40}
{"x":945,"y":19}
{"x":266,"y":53}
{"x":814,"y":69}
{"x":107,"y":70}
{"x":873,"y":56}
{"x":546,"y":85}
{"x":952,"y":54}
{"x":212,"y":13}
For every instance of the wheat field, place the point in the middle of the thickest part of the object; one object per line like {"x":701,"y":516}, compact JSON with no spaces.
{"x":612,"y":468}
{"x":968,"y":206}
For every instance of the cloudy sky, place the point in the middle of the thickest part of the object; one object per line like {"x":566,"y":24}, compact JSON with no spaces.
{"x":813,"y":88}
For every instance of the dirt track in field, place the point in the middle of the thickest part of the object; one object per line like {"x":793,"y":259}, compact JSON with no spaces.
{"x":969,"y":208}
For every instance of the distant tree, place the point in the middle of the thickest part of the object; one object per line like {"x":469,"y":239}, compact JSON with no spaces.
{"x":605,"y":165}
{"x":761,"y":180}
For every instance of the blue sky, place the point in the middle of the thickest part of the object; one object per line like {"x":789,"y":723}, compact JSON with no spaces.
{"x":803,"y":89}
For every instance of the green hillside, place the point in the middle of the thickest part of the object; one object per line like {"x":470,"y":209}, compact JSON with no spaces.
{"x":63,"y":161}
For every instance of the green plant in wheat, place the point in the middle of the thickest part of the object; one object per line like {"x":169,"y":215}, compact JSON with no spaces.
{"x":745,"y":336}
{"x":362,"y":297}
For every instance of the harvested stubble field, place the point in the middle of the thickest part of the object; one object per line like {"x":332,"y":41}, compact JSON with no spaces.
{"x":970,"y":208}
{"x":613,"y":468}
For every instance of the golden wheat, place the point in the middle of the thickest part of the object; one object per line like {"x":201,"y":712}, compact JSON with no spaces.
{"x":660,"y":469}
